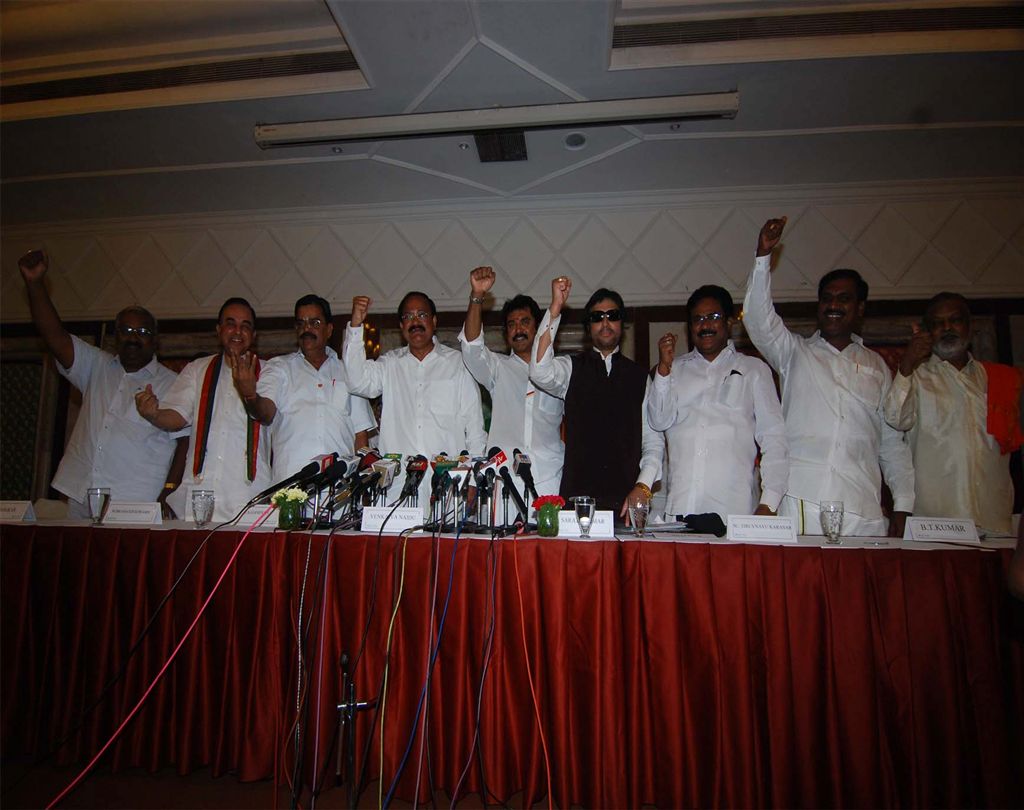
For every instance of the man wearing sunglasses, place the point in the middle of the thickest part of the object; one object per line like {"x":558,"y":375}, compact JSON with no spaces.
{"x":111,"y":445}
{"x":611,"y":453}
{"x":717,"y":407}
{"x":305,"y":395}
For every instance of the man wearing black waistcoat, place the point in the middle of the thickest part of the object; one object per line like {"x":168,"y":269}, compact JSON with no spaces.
{"x":610,"y":451}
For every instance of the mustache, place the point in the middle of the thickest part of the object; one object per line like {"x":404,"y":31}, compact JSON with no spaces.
{"x":307,"y":335}
{"x":417,"y":328}
{"x":518,"y":335}
{"x":835,"y":312}
{"x":706,"y":333}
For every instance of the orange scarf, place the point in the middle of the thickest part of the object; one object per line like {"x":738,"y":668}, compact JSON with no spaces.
{"x":1004,"y":389}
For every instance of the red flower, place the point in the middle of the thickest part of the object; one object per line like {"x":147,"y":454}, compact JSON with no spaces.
{"x":544,"y":500}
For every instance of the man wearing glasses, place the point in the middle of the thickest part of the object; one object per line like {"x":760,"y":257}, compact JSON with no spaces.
{"x":111,"y":445}
{"x":717,"y":407}
{"x":611,"y":453}
{"x":305,"y":395}
{"x":431,"y":403}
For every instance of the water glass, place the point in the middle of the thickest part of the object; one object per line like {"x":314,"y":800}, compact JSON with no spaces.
{"x":832,"y":520}
{"x":584,"y":513}
{"x":639,"y":509}
{"x":98,"y":499}
{"x":202,"y":506}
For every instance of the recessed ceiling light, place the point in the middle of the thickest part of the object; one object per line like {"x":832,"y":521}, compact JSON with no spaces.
{"x":673,"y":127}
{"x":575,"y":140}
{"x":337,"y":150}
{"x":463,"y":146}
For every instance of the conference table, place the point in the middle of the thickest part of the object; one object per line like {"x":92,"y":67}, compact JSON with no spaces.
{"x":687,"y":672}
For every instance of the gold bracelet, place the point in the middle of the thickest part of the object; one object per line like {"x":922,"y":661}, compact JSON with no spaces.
{"x":644,"y":488}
{"x":170,"y":486}
{"x":476,"y":300}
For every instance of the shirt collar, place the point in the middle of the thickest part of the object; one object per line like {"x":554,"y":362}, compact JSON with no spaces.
{"x":724,"y":356}
{"x":606,"y":360}
{"x":148,"y":370}
{"x":854,"y":338}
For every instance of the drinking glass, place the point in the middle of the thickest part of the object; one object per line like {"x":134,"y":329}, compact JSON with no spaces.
{"x":98,"y":499}
{"x":584,"y":513}
{"x":638,"y":511}
{"x":832,"y":520}
{"x":202,"y":506}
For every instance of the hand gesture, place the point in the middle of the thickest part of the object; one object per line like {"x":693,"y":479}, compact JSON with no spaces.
{"x":147,"y":404}
{"x":33,"y":266}
{"x":770,"y":235}
{"x":560,"y":289}
{"x":481,"y":280}
{"x":360,"y":306}
{"x":919,"y":347}
{"x":243,"y":373}
{"x":666,"y":353}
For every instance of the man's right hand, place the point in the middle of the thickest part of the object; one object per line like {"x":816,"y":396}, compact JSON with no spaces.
{"x":360,"y":306}
{"x":147,"y":404}
{"x":33,"y":266}
{"x":771,"y":233}
{"x":243,"y":373}
{"x":560,"y":289}
{"x":919,"y":348}
{"x":666,"y":353}
{"x":480,"y":281}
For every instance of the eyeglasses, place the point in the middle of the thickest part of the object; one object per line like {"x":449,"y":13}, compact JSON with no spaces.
{"x":598,"y":315}
{"x":418,"y":315}
{"x":312,"y":323}
{"x":128,"y":331}
{"x":714,"y":317}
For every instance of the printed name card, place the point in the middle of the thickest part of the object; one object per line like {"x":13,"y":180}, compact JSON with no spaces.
{"x":403,"y":519}
{"x":17,"y":510}
{"x":945,"y":530}
{"x":141,"y":512}
{"x":248,"y":518}
{"x":602,"y":527}
{"x":761,"y":529}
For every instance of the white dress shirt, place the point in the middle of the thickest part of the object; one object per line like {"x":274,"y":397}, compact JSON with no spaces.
{"x":552,"y":374}
{"x":960,"y":471}
{"x":224,"y":467}
{"x":111,"y":445}
{"x":832,"y":402}
{"x":521,"y":415}
{"x":316,"y":414}
{"x":712,"y":414}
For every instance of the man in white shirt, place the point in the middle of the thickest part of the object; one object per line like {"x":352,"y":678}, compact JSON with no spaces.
{"x":717,"y":407}
{"x":229,"y":452}
{"x":832,"y":394}
{"x":522,"y":416}
{"x":949,"y":402}
{"x":305,"y":395}
{"x":611,"y":453}
{"x":110,"y":446}
{"x":431,"y":403}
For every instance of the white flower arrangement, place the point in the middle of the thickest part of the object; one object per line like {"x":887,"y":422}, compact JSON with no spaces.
{"x":292,"y":494}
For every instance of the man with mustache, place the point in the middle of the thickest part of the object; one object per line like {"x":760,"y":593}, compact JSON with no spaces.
{"x":962,"y":418}
{"x":833,"y":388}
{"x":305,"y":395}
{"x":611,"y":453}
{"x":431,"y":403}
{"x":110,"y":445}
{"x":522,"y":416}
{"x":717,"y":407}
{"x":229,"y":452}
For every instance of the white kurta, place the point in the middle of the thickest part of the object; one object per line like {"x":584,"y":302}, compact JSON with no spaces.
{"x":714,"y":416}
{"x":316,"y":414}
{"x":960,"y":470}
{"x":224,"y":467}
{"x":522,"y":416}
{"x":832,"y":402}
{"x":111,"y":445}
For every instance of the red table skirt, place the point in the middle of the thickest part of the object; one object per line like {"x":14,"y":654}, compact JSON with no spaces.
{"x":677,"y":675}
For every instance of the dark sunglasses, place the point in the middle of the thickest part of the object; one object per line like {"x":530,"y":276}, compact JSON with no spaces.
{"x":598,"y":315}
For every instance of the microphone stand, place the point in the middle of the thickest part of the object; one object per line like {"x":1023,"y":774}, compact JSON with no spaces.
{"x":348,"y":709}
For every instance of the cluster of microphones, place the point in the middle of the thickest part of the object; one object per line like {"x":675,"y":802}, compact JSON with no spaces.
{"x":466,"y":493}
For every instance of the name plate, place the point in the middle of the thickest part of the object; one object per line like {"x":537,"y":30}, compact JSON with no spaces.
{"x":761,"y":529}
{"x":138,"y":512}
{"x":17,"y":511}
{"x":602,"y":527}
{"x":404,"y":518}
{"x":249,"y":518}
{"x":945,"y":530}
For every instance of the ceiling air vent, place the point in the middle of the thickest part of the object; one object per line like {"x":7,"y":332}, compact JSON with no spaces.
{"x":501,"y":145}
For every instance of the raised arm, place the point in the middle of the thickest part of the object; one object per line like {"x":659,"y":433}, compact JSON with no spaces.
{"x":365,"y":377}
{"x":766,"y":329}
{"x":661,"y":400}
{"x":900,"y":405}
{"x":243,"y":374}
{"x":550,"y":373}
{"x":33,"y":266}
{"x":480,"y":360}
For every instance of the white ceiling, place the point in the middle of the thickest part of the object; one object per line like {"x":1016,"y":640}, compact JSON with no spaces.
{"x":846,"y":110}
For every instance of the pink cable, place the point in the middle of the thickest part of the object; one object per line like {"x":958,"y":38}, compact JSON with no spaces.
{"x":163,"y":669}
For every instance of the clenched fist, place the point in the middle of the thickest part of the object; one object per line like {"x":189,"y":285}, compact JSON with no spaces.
{"x":360,"y":306}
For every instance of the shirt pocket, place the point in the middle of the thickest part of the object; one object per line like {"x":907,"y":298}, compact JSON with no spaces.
{"x":865,"y":383}
{"x":731,"y":393}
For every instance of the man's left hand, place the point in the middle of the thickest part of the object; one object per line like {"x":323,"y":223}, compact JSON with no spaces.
{"x":637,"y":493}
{"x":165,"y":510}
{"x":764,"y":509}
{"x":898,"y":523}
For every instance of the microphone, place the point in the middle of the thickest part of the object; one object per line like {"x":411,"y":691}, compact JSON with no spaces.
{"x":414,"y":472}
{"x":329,"y":476}
{"x":521,"y":466}
{"x":365,"y":483}
{"x":308,"y":471}
{"x":388,"y":469}
{"x":510,"y":487}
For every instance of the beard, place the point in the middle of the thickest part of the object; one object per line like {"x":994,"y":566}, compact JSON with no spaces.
{"x":949,"y":346}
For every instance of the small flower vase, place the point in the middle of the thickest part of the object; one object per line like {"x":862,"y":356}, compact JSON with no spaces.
{"x":547,"y":520}
{"x":289,"y":515}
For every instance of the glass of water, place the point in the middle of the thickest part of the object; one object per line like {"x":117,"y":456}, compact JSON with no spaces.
{"x":639,"y":509}
{"x":202,"y":506}
{"x":832,"y":520}
{"x":98,"y":500}
{"x":584,"y":513}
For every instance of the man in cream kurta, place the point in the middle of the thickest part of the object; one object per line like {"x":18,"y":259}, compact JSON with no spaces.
{"x":941,"y":396}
